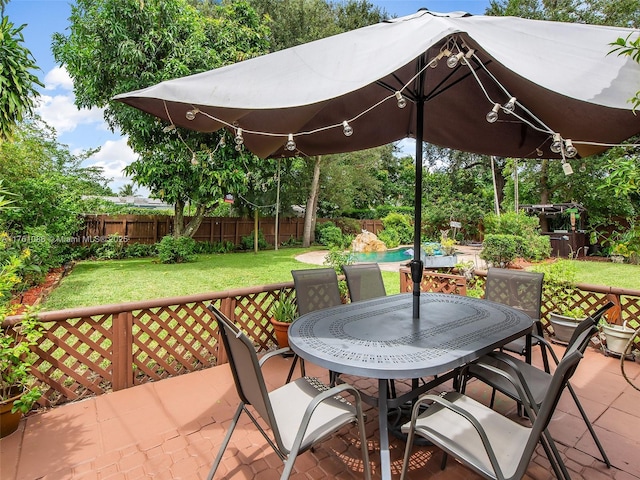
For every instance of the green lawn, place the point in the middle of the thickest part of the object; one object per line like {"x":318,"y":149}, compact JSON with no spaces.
{"x":115,"y":281}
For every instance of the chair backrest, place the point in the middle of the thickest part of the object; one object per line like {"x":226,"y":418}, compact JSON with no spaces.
{"x":561,"y":376}
{"x":516,"y":288}
{"x":585,"y":330}
{"x":364,"y":281}
{"x":316,"y":288}
{"x":246,"y":371}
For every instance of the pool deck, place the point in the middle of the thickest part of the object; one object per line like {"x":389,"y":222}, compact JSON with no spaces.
{"x":466,"y":253}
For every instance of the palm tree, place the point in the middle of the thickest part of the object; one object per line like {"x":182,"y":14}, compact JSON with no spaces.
{"x":127,"y":190}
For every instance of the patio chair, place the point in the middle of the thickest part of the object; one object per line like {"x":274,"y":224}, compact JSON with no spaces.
{"x":316,"y":288}
{"x":489,"y":443}
{"x":521,"y":290}
{"x":364,"y":281}
{"x":537,"y":381}
{"x":300,"y":414}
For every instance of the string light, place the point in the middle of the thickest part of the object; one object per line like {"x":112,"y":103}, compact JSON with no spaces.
{"x":191,"y":114}
{"x":583,"y":167}
{"x":291,"y":145}
{"x":194,"y":159}
{"x":492,"y":116}
{"x":556,"y":144}
{"x":452,"y":61}
{"x":569,"y":149}
{"x":510,"y":106}
{"x":239,"y":139}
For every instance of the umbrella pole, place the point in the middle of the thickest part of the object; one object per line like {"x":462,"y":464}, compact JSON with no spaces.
{"x":416,"y":263}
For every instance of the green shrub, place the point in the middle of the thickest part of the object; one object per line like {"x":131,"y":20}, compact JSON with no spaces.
{"x":536,"y":247}
{"x":401,"y":224}
{"x":113,"y":248}
{"x":390,"y":237}
{"x":511,"y":223}
{"x":176,"y":250}
{"x":248,"y":242}
{"x":140,"y":250}
{"x":348,"y":226}
{"x":328,"y":234}
{"x":499,"y":250}
{"x":215,"y":247}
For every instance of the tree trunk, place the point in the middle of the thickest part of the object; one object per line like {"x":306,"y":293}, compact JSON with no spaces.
{"x":192,"y":227}
{"x":178,"y":218}
{"x":312,"y":204}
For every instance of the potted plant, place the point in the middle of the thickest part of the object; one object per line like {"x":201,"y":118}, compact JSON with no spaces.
{"x":283,"y":312}
{"x":617,"y":338}
{"x":440,"y":255}
{"x":559,"y":283}
{"x":17,"y":393}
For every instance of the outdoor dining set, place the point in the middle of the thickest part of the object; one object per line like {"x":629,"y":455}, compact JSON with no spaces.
{"x":452,"y":339}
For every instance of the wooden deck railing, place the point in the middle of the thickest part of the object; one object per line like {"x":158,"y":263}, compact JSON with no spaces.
{"x":93,"y":350}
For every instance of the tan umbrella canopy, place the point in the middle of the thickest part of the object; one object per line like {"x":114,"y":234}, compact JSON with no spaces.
{"x":501,"y":86}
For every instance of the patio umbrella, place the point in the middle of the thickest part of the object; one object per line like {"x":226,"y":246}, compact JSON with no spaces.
{"x":501,"y":86}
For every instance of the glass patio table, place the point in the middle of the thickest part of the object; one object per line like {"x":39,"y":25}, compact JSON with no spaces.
{"x":380,"y":339}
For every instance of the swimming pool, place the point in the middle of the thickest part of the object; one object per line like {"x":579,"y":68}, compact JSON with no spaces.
{"x":396,"y":255}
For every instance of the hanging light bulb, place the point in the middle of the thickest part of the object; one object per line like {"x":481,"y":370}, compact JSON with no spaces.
{"x":191,"y":114}
{"x":569,"y":149}
{"x":291,"y":145}
{"x":239,"y":139}
{"x":194,"y":159}
{"x":402,"y":102}
{"x":510,"y":106}
{"x":222,"y":141}
{"x":556,"y":145}
{"x":169,"y":128}
{"x":539,"y":152}
{"x":347,"y":129}
{"x":492,"y":116}
{"x":452,"y":61}
{"x":583,"y":167}
{"x":566,"y":167}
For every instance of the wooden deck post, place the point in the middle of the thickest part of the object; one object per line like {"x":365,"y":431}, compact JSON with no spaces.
{"x":122,"y":360}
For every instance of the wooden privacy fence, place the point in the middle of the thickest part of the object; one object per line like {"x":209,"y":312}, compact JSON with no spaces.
{"x":151,"y":228}
{"x":93,"y":350}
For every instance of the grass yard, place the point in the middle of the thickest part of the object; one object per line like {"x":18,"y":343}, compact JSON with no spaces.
{"x":115,"y":281}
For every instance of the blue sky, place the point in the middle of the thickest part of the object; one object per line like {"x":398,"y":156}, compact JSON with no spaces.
{"x":85,"y":129}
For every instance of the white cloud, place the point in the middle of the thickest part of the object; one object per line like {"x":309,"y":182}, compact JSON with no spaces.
{"x":60,"y":112}
{"x":113,"y":157}
{"x":58,"y":77}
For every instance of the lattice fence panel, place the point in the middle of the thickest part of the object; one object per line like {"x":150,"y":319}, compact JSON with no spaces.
{"x":173,"y":340}
{"x":252,"y":313}
{"x":74,"y":359}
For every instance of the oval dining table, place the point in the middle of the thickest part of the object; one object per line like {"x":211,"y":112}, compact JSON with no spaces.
{"x":380,"y":339}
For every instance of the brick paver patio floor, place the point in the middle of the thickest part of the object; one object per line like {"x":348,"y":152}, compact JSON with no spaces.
{"x":172,"y":429}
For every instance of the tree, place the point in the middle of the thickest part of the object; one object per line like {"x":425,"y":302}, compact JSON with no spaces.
{"x":128,"y":190}
{"x":300,"y":21}
{"x":47,"y":182}
{"x":17,"y":83}
{"x":116,"y":46}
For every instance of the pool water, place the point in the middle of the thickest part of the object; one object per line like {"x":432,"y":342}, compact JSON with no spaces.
{"x":395,"y":255}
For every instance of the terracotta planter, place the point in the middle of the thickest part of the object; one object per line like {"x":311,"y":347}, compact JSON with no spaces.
{"x":563,"y":327}
{"x":9,"y":421}
{"x":617,"y":338}
{"x":282,"y":332}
